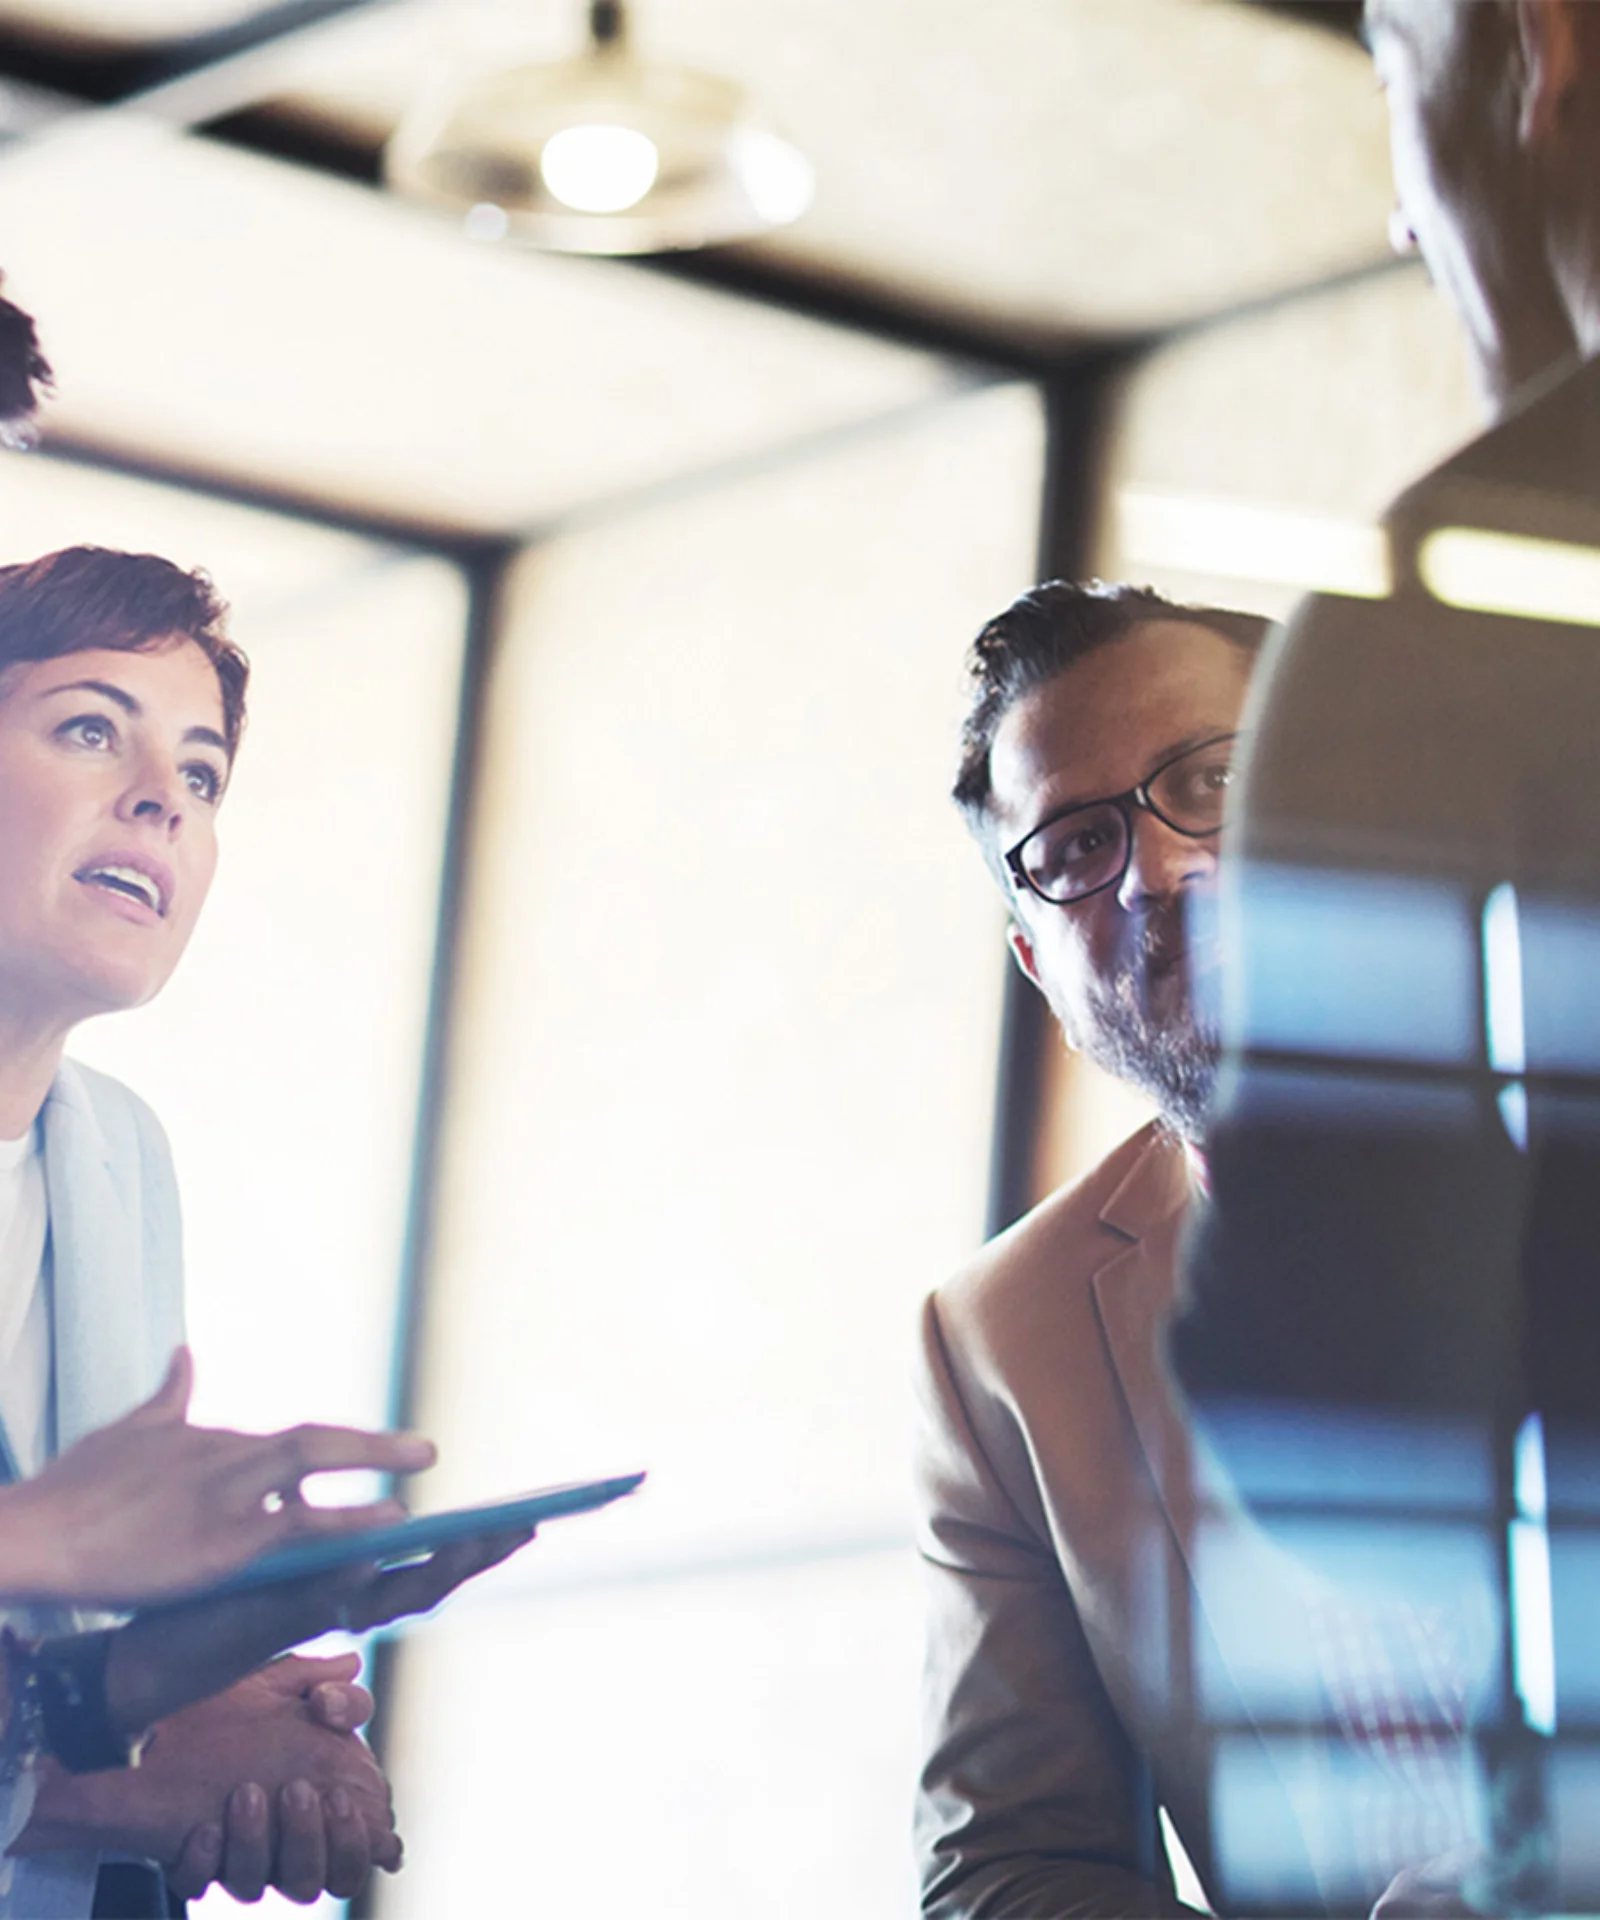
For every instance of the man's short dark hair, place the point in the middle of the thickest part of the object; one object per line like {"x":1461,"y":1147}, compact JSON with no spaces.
{"x":1040,"y":635}
{"x":23,"y":369}
{"x":87,"y":597}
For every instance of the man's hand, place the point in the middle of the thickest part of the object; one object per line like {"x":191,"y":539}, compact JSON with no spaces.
{"x":151,"y":1505}
{"x":322,"y":1843}
{"x":176,"y":1654}
{"x":322,"y":1847}
{"x":247,"y":1787}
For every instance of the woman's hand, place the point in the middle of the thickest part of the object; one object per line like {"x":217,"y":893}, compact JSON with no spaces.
{"x":150,"y":1505}
{"x":229,"y":1769}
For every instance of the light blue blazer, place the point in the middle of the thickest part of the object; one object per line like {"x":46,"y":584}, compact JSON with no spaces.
{"x":115,"y":1259}
{"x":116,"y":1249}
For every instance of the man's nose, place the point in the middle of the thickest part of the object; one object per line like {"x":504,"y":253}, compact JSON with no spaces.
{"x":1162,"y":861}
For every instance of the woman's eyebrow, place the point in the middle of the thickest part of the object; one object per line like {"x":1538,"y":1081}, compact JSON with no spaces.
{"x":117,"y":695}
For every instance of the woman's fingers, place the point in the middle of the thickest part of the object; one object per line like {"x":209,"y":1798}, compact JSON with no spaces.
{"x":339,"y":1707}
{"x":198,"y":1864}
{"x":349,"y":1850}
{"x":283,"y":1460}
{"x":170,"y":1401}
{"x":269,"y":1481}
{"x":247,"y":1848}
{"x":302,"y":1843}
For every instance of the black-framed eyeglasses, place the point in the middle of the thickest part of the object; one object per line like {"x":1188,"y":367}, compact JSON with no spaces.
{"x":1085,"y":849}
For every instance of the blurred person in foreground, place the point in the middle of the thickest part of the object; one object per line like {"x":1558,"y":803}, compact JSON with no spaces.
{"x":121,"y":706}
{"x":1395,"y":1279}
{"x":1058,"y":1504}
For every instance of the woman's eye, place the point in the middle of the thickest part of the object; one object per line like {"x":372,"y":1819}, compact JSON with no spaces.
{"x":205,"y":781}
{"x":89,"y":730}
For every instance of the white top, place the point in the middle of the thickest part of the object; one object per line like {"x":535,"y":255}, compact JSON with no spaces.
{"x":25,"y":1356}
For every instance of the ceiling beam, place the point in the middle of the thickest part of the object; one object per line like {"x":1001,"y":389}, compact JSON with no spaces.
{"x":187,"y":81}
{"x":1337,"y":16}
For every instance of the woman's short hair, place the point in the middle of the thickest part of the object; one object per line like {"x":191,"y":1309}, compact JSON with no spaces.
{"x":87,"y":597}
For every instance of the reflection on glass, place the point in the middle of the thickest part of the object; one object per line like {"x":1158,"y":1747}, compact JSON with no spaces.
{"x":1487,"y":572}
{"x":1321,"y":940}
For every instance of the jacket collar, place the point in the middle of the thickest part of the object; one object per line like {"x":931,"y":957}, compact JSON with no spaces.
{"x":1134,"y":1291}
{"x":94,"y":1255}
{"x":1154,"y":1189}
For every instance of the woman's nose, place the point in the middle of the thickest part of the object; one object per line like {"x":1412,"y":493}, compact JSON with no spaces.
{"x":156,"y":795}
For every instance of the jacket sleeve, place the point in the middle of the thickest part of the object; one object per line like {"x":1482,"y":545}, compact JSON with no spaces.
{"x":1032,"y":1803}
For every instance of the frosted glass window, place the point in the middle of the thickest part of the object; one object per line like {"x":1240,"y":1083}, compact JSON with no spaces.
{"x":1249,"y":461}
{"x":735,"y":1745}
{"x":720,"y":1116}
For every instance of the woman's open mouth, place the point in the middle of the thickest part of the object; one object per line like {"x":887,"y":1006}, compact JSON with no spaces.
{"x":132,"y":883}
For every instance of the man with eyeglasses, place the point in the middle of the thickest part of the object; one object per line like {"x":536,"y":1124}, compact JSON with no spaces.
{"x":1053,"y":1477}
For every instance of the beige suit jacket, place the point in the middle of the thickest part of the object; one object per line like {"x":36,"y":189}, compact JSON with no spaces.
{"x":1058,"y":1522}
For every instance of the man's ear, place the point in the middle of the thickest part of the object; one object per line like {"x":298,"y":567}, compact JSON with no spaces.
{"x":1022,"y":952}
{"x":1548,"y":41}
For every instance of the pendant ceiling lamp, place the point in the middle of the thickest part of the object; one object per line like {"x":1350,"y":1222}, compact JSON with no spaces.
{"x":604,"y":153}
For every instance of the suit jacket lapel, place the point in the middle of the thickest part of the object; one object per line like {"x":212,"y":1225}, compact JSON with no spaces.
{"x":95,"y":1273}
{"x":1134,"y":1292}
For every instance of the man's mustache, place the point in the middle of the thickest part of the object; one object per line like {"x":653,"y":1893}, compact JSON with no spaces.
{"x":1160,"y":939}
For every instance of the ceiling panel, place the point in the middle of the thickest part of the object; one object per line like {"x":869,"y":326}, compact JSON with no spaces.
{"x":256,"y":321}
{"x":1050,"y":169}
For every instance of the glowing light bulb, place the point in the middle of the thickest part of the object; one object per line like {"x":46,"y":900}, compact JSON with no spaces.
{"x":599,"y":169}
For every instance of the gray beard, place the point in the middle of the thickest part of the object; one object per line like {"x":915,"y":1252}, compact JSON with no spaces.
{"x":1173,"y":1063}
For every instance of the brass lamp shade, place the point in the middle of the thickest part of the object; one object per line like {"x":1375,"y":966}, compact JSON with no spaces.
{"x":600,"y":154}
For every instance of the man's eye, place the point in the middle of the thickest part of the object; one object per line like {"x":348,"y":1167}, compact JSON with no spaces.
{"x":1198,"y":785}
{"x":1083,"y":845}
{"x":1065,"y":853}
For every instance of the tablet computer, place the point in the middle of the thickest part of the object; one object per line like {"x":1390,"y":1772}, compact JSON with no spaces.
{"x":405,"y":1540}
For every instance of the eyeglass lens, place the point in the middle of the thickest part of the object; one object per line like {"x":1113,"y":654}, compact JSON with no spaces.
{"x":1084,"y":850}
